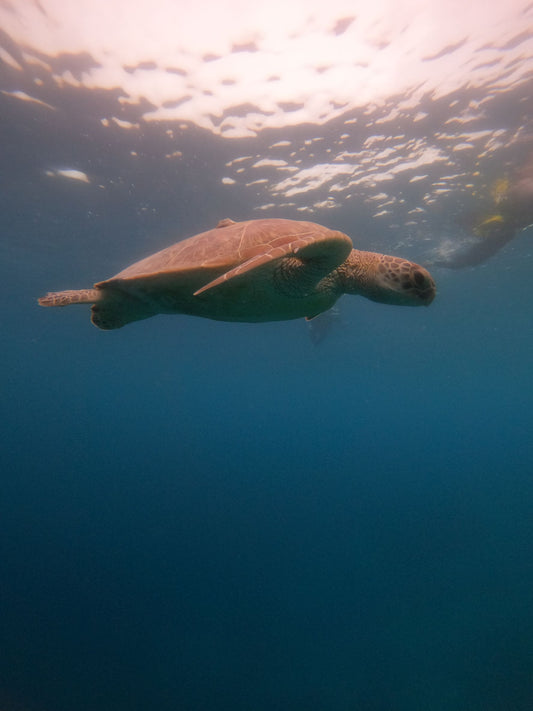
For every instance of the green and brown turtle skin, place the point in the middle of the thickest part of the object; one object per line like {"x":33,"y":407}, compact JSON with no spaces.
{"x":254,"y":271}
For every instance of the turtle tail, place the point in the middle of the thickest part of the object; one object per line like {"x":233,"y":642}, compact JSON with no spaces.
{"x":72,"y":296}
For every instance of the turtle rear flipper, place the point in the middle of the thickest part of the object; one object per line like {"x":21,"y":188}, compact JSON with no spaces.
{"x":302,"y":263}
{"x":119,"y":309}
{"x":112,"y":314}
{"x":72,"y":296}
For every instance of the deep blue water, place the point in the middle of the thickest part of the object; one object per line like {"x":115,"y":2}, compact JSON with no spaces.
{"x":200,"y":516}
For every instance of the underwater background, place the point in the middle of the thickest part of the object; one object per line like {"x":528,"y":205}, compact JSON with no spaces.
{"x":200,"y":515}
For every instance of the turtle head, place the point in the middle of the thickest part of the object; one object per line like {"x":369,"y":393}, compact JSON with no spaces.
{"x":388,"y":280}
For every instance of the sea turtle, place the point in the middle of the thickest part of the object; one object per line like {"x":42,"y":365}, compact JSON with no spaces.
{"x":259,"y":270}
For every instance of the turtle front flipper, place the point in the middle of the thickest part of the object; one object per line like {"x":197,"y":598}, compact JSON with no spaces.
{"x":299,"y":264}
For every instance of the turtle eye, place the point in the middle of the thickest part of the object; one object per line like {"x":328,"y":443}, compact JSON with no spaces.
{"x":419,"y":278}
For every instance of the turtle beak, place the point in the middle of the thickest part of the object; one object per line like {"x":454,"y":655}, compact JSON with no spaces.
{"x":429,"y":294}
{"x":424,"y":285}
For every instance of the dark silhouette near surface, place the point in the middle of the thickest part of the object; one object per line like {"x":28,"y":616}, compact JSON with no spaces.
{"x":509,"y":210}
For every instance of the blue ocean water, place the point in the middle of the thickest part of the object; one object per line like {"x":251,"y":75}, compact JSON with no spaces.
{"x":198,"y":515}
